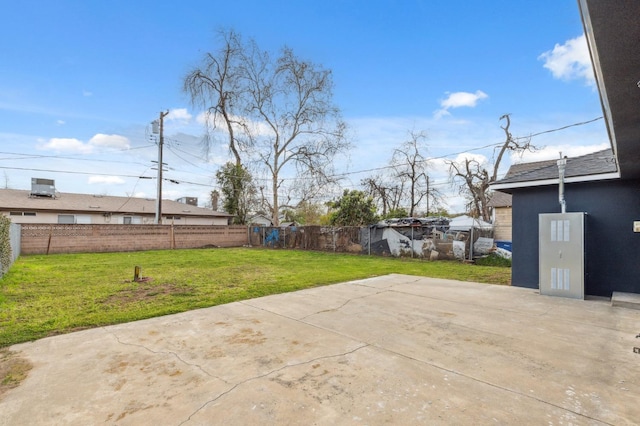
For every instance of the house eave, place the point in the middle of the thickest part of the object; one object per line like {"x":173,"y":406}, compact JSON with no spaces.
{"x":556,"y":181}
{"x":613,"y":35}
{"x":597,"y":71}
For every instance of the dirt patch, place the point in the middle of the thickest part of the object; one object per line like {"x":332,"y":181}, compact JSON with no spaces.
{"x":145,"y":291}
{"x":13,"y":370}
{"x":247,"y":336}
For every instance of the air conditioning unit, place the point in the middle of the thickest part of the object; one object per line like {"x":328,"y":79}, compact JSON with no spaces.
{"x":43,"y":187}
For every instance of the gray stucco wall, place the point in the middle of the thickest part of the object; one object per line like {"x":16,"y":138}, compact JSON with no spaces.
{"x":612,"y":258}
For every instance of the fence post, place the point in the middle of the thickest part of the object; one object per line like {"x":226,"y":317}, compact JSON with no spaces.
{"x":412,"y":241}
{"x":333,"y":233}
{"x":369,"y":227}
{"x":50,"y":235}
{"x":471,"y":246}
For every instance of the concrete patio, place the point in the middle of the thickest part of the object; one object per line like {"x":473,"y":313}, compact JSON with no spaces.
{"x":388,"y":350}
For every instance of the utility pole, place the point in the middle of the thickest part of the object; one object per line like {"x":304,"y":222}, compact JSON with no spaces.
{"x":158,"y":219}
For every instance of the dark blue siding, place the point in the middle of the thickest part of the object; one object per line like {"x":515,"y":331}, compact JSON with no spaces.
{"x":612,"y":248}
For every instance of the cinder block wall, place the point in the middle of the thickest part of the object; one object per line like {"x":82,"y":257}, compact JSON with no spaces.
{"x":42,"y":239}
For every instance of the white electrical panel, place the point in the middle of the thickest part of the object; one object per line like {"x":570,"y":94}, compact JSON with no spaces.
{"x":561,"y":254}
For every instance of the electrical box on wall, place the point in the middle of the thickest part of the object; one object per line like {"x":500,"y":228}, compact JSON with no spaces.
{"x":636,"y":226}
{"x":561,"y":253}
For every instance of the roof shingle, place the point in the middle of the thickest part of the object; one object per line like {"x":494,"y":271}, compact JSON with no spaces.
{"x":16,"y":199}
{"x":596,"y":163}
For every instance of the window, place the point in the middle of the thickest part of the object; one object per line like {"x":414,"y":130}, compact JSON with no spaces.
{"x":29,"y":213}
{"x":132,"y":220}
{"x":67,"y":219}
{"x":83,"y":219}
{"x":15,"y":213}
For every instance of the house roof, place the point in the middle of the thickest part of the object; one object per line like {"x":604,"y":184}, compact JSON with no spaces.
{"x":599,"y":165}
{"x":16,"y":199}
{"x":613,"y":36}
{"x":500,"y":199}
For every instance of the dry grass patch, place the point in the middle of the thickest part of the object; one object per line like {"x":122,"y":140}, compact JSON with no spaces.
{"x":146,"y":291}
{"x":13,"y":370}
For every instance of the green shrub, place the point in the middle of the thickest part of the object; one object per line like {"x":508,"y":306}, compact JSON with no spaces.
{"x":493,"y":260}
{"x":5,"y":244}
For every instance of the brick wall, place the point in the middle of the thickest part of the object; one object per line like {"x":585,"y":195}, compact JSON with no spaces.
{"x":42,"y":239}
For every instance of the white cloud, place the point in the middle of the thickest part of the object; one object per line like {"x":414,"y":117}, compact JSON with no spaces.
{"x":481,"y":159}
{"x":109,"y":141}
{"x":112,"y":180}
{"x":552,"y":152}
{"x":77,"y":146}
{"x":66,"y":145}
{"x":179,"y":114}
{"x":204,"y":118}
{"x":87,"y":93}
{"x":438,"y":168}
{"x":570,"y":61}
{"x":60,"y":122}
{"x":460,"y":99}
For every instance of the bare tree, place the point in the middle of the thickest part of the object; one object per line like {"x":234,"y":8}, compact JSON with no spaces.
{"x":410,"y":165}
{"x":297,"y":124}
{"x":475,"y":186}
{"x":510,"y":144}
{"x":217,"y":86}
{"x":408,"y":183}
{"x":386,"y":193}
{"x":277,"y":113}
{"x":474,"y":178}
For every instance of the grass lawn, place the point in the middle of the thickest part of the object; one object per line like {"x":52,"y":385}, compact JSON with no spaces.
{"x":47,"y":295}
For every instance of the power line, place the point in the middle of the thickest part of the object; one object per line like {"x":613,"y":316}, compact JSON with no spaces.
{"x":475,"y":149}
{"x":337,"y":175}
{"x":560,"y":128}
{"x":34,"y":156}
{"x":67,"y":171}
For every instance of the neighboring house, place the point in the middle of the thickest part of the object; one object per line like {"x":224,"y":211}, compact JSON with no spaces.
{"x":500,"y":204}
{"x":606,"y":184}
{"x":23,"y":206}
{"x":260,"y":220}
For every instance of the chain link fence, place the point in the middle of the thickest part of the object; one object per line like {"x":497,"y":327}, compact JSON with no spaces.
{"x":432,"y":242}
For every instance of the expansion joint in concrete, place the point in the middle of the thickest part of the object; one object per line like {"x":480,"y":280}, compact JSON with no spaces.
{"x":171,"y":353}
{"x":277,"y":370}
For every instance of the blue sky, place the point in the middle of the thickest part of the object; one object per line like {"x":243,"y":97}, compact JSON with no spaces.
{"x":80,"y":81}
